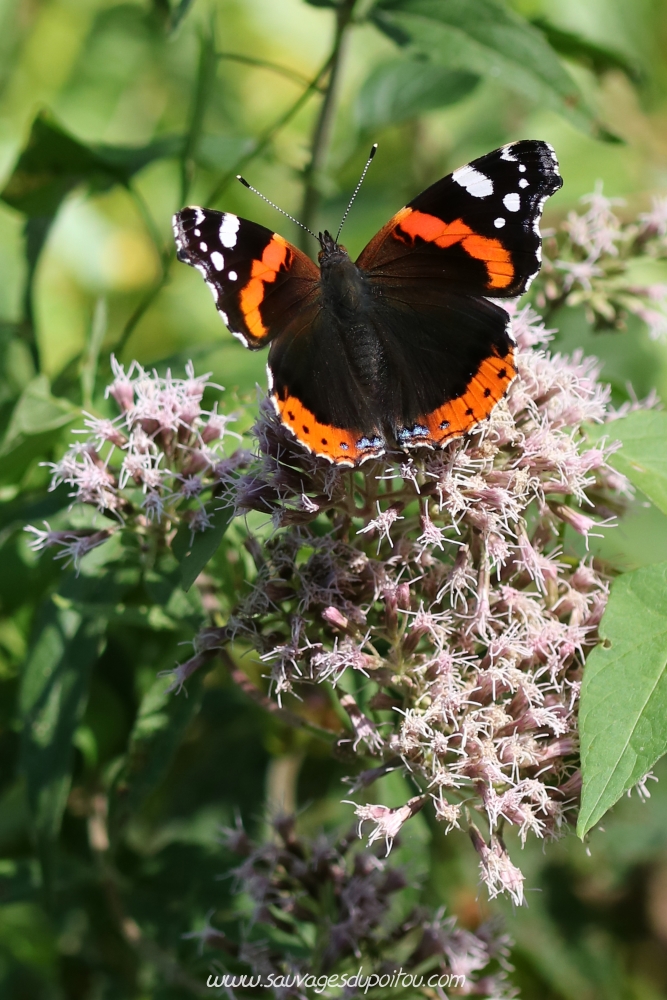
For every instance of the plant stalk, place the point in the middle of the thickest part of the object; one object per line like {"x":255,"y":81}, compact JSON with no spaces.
{"x":324,"y":123}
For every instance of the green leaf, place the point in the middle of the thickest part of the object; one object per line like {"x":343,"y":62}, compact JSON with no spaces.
{"x":54,"y":162}
{"x":403,"y":88}
{"x":598,"y":58}
{"x":37,"y":412}
{"x":161,"y":721}
{"x":194,"y":554}
{"x":178,"y":13}
{"x":53,"y":696}
{"x":623,"y":714}
{"x":34,"y":427}
{"x":643,"y":457}
{"x":487,"y":38}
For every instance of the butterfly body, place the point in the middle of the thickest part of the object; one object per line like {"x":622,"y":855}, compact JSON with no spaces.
{"x":406,"y":346}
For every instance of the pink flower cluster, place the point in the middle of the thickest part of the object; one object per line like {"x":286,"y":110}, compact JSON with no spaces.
{"x":440,"y":598}
{"x":153,"y":467}
{"x":437,"y":595}
{"x":588,"y":261}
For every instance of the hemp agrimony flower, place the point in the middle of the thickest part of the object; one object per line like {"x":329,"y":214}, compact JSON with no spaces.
{"x":440,"y":597}
{"x":437,"y":599}
{"x":151,"y":469}
{"x":589,"y":260}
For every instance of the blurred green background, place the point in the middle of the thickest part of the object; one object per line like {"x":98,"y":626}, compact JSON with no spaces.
{"x":203,"y":90}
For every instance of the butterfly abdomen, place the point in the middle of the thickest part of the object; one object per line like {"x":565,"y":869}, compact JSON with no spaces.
{"x":348,"y":298}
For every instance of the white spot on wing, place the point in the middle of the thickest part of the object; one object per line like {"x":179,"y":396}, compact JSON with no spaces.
{"x":475,"y":183}
{"x":274,"y":400}
{"x":229,"y":227}
{"x":199,"y":215}
{"x":506,"y":154}
{"x":232,"y":275}
{"x":538,"y":216}
{"x":176,"y":227}
{"x":523,"y":183}
{"x":552,"y":153}
{"x":217,"y":260}
{"x":239,"y":336}
{"x":522,"y":168}
{"x":499,"y":223}
{"x":512,"y":202}
{"x":203,"y":247}
{"x":197,"y":232}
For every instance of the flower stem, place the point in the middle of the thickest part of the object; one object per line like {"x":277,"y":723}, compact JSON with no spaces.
{"x":205,"y":83}
{"x":323,"y":125}
{"x":270,"y":133}
{"x":243,"y":682}
{"x":285,"y":71}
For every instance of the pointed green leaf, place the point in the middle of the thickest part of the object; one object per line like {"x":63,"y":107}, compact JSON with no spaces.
{"x":161,"y":721}
{"x":194,"y":552}
{"x":598,"y":58}
{"x":54,"y":691}
{"x":54,"y":162}
{"x":52,"y":165}
{"x":643,"y":457}
{"x":403,"y":88}
{"x":34,"y":427}
{"x":623,"y":713}
{"x":485,"y":37}
{"x":37,"y":412}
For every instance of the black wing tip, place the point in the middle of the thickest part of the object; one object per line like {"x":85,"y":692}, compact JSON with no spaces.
{"x":547,"y":157}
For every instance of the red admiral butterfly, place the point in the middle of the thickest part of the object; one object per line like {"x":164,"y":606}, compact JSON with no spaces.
{"x":405,"y":346}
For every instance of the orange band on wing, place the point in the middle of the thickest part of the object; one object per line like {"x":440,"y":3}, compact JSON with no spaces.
{"x":457,"y":417}
{"x":263,"y":271}
{"x":498,"y":260}
{"x":343,"y":447}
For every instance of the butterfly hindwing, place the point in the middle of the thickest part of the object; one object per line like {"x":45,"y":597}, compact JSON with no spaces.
{"x":447,"y":375}
{"x":256,"y":277}
{"x":477,"y":228}
{"x":318,"y":394}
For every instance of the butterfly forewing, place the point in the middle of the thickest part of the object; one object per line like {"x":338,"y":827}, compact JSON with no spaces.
{"x":256,"y":277}
{"x":477,"y":228}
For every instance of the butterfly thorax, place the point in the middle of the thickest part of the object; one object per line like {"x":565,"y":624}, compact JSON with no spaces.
{"x":348,"y":298}
{"x":344,"y":287}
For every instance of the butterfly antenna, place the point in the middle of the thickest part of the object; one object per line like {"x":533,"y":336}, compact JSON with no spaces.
{"x":273,"y":205}
{"x":356,"y":190}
